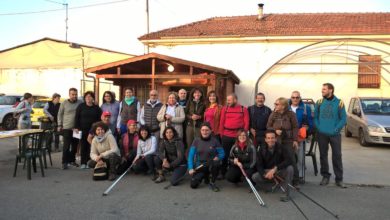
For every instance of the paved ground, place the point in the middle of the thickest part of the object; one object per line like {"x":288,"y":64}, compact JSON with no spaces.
{"x":72,"y":194}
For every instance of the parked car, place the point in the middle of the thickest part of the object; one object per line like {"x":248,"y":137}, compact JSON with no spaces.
{"x":38,"y":113}
{"x":8,"y":104}
{"x":369,"y":119}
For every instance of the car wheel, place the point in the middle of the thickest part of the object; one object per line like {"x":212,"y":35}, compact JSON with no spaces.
{"x":9,"y":122}
{"x":346,"y":132}
{"x":362,"y":139}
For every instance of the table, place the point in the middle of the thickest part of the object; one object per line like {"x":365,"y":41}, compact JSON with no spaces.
{"x":18,"y":133}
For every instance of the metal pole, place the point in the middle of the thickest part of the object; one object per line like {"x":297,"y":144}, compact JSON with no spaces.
{"x":66,"y":22}
{"x":147,"y":23}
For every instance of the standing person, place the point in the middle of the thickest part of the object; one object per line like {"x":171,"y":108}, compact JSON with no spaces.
{"x":149,"y":114}
{"x":104,"y":149}
{"x":87,"y":113}
{"x":171,"y":157}
{"x":212,"y":113}
{"x":233,"y":117}
{"x":242,"y":156}
{"x":329,"y":119}
{"x":182,"y":98}
{"x":111,"y":105}
{"x":258,"y":118}
{"x":171,"y":114}
{"x":51,"y":109}
{"x":129,"y":142}
{"x":205,"y":158}
{"x":23,"y":110}
{"x":146,"y":150}
{"x":274,"y":158}
{"x":129,"y":108}
{"x":66,"y":124}
{"x":305,"y":120}
{"x":194,"y":114}
{"x":285,"y":124}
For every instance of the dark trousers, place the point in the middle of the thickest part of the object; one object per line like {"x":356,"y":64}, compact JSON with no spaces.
{"x":204,"y":172}
{"x":227,"y":143}
{"x":124,"y":165}
{"x":55,"y":135}
{"x":70,"y":146}
{"x":85,"y":147}
{"x":234,"y":174}
{"x":112,"y":161}
{"x":144,"y":164}
{"x":287,"y":174}
{"x":335,"y":143}
{"x":177,"y":172}
{"x":289,"y":143}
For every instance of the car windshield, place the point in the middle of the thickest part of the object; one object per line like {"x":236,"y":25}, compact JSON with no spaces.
{"x":376,"y":106}
{"x":39,"y":104}
{"x":7,"y":100}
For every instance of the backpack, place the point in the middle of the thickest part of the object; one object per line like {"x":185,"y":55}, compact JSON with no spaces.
{"x":100,"y":172}
{"x":17,"y":115}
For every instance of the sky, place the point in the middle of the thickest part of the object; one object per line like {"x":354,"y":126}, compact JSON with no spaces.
{"x":116,"y":24}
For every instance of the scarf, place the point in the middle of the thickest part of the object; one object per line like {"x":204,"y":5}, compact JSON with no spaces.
{"x":130,"y":100}
{"x":100,"y":138}
{"x":242,"y":145}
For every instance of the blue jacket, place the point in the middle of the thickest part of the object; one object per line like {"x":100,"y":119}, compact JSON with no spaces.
{"x":330,"y":116}
{"x":214,"y":149}
{"x":301,"y":117}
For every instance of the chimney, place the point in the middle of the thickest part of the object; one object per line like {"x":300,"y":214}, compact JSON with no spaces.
{"x":260,"y":16}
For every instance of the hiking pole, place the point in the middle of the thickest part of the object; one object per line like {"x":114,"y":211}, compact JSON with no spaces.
{"x":295,"y":204}
{"x":252,"y":187}
{"x":319,"y":205}
{"x":116,"y":181}
{"x":181,"y":178}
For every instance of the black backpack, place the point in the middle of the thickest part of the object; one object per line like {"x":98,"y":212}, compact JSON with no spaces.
{"x":100,"y":172}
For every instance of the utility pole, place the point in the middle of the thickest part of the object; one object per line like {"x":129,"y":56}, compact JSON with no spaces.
{"x":147,"y":23}
{"x":66,"y":16}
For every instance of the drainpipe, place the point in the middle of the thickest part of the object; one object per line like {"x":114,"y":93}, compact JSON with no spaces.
{"x":78,"y":46}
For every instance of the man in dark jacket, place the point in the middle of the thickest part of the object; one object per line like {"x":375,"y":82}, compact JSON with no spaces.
{"x":274,"y":159}
{"x":258,"y":118}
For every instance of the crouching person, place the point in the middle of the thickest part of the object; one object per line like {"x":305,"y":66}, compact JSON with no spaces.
{"x":104,"y":149}
{"x":205,"y":156}
{"x":171,"y":157}
{"x":242,"y":156}
{"x":129,"y":145}
{"x":274,"y":159}
{"x":146,"y":150}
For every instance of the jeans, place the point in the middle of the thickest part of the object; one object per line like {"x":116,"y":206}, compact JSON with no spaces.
{"x":178,"y":172}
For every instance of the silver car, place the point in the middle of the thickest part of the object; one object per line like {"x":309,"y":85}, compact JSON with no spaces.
{"x":369,"y":119}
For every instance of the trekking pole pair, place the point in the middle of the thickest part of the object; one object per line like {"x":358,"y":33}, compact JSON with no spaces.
{"x":258,"y":197}
{"x":280,"y":179}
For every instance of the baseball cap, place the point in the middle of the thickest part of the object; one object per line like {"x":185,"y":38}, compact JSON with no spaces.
{"x":106,"y":113}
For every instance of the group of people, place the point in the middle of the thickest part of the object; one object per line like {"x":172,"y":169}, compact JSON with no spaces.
{"x":196,"y":134}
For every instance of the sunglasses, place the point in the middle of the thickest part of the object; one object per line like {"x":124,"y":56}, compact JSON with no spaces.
{"x":295,"y":97}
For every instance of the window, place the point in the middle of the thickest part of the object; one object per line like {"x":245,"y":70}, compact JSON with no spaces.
{"x":369,"y":75}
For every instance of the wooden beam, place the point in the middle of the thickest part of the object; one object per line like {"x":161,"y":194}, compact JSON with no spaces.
{"x":158,"y":76}
{"x":118,"y":70}
{"x":191,"y":70}
{"x":97,"y":86}
{"x":153,"y":72}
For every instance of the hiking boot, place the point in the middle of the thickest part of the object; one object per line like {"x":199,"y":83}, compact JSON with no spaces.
{"x":213,"y":187}
{"x":64,"y":166}
{"x":341,"y":184}
{"x":285,"y":198}
{"x":154,"y":177}
{"x":112,"y":177}
{"x":324,"y":181}
{"x":74,"y":164}
{"x":83,"y":166}
{"x":301,"y":180}
{"x":160,"y":179}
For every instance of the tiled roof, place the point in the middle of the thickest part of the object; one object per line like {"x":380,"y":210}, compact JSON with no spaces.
{"x":300,"y":24}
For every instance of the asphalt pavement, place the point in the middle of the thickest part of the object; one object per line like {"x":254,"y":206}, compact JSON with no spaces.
{"x":72,"y":194}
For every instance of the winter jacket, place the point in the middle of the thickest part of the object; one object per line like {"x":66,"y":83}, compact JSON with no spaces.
{"x":303,"y":116}
{"x":127,"y":112}
{"x":176,"y":122}
{"x":330,"y":116}
{"x":246,"y":156}
{"x":204,"y":150}
{"x":105,"y":146}
{"x":86,"y":116}
{"x":281,"y":157}
{"x":24,"y":108}
{"x":113,"y":108}
{"x":258,"y":118}
{"x":127,"y":146}
{"x":232,"y":119}
{"x":287,"y":122}
{"x":147,"y":147}
{"x":173,"y":151}
{"x":212,"y":115}
{"x":66,"y":114}
{"x":149,"y":115}
{"x":196,"y":108}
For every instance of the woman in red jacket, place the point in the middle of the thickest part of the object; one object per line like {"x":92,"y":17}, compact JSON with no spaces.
{"x":212,"y":113}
